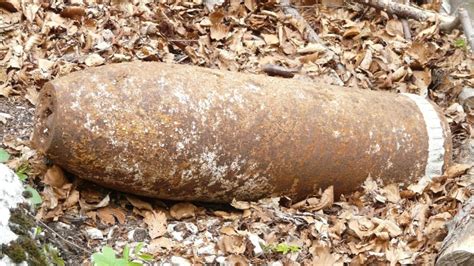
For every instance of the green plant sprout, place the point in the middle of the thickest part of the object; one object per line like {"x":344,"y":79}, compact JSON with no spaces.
{"x":282,"y":248}
{"x":4,"y":156}
{"x":460,"y":43}
{"x":22,"y":171}
{"x":107,"y":257}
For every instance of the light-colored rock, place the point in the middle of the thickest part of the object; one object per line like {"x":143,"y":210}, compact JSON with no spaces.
{"x":11,"y":190}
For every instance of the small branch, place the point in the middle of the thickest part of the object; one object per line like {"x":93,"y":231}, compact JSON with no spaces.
{"x":406,"y":27}
{"x":275,"y":70}
{"x":447,"y":23}
{"x":467,"y":26}
{"x":41,"y":223}
{"x":312,"y":36}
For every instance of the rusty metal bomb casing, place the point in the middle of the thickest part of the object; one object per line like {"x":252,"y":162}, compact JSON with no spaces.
{"x":189,"y":133}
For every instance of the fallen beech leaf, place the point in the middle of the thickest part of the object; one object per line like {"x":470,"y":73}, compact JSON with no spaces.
{"x":55,"y":177}
{"x":392,"y":193}
{"x":236,"y":260}
{"x":231,"y":244}
{"x":250,"y":4}
{"x":394,"y":27}
{"x":73,"y":199}
{"x":138,"y":203}
{"x":73,"y":12}
{"x":89,"y":207}
{"x":314,"y":204}
{"x":457,"y":170}
{"x":183,"y":210}
{"x":94,"y":60}
{"x":161,"y":244}
{"x":241,"y":205}
{"x":322,"y":256}
{"x":228,"y":231}
{"x":156,"y":221}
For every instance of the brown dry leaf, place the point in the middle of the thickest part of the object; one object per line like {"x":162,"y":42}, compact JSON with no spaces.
{"x":106,"y":216}
{"x":55,"y":177}
{"x":218,"y":30}
{"x":422,"y":80}
{"x":361,"y":226}
{"x":394,"y":27}
{"x":322,"y":256}
{"x":32,"y":95}
{"x":271,"y":39}
{"x":351,"y":32}
{"x":138,"y":203}
{"x":94,"y":60}
{"x":231,"y":244}
{"x":437,"y":222}
{"x":457,"y":170}
{"x":183,"y":210}
{"x":72,"y":200}
{"x":392,"y":193}
{"x":250,"y":4}
{"x":312,"y":48}
{"x":236,"y":260}
{"x":73,"y":12}
{"x":241,"y":205}
{"x":89,"y":207}
{"x":314,"y":204}
{"x":228,"y":231}
{"x":156,"y":221}
{"x":160,"y":245}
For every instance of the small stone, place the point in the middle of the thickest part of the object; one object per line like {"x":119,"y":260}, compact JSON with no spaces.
{"x":139,"y":234}
{"x":175,"y":260}
{"x":94,"y":233}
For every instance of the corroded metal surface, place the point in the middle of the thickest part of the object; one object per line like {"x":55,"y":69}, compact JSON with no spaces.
{"x":190,"y":133}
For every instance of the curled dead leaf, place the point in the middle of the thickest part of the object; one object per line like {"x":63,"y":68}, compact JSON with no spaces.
{"x":157,"y":223}
{"x":457,"y":170}
{"x":183,"y":210}
{"x":55,"y":177}
{"x":231,"y":244}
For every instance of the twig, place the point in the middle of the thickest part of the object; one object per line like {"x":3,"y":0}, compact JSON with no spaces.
{"x":58,"y":235}
{"x":467,"y":26}
{"x":406,"y":27}
{"x":311,"y":35}
{"x":275,"y":70}
{"x":447,"y":23}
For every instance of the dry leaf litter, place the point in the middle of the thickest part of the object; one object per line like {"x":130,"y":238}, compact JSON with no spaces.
{"x":42,"y":40}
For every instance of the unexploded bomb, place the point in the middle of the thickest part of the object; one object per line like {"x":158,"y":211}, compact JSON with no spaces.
{"x":190,"y":133}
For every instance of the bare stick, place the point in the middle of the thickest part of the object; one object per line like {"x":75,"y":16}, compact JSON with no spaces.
{"x":311,"y":35}
{"x":406,"y":27}
{"x":467,"y":26}
{"x":41,"y":223}
{"x":458,"y":246}
{"x":447,"y":23}
{"x":275,"y":70}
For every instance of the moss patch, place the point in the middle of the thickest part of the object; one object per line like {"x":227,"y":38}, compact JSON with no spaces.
{"x":24,"y":248}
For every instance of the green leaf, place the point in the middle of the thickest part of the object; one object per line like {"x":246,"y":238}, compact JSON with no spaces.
{"x":22,"y":176}
{"x":4,"y":156}
{"x":126,"y":253}
{"x":133,"y":263}
{"x":460,"y":43}
{"x":104,"y":258}
{"x":35,"y":196}
{"x":138,"y":248}
{"x":145,"y":256}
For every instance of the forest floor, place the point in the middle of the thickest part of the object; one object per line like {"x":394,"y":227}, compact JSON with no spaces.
{"x":380,"y":223}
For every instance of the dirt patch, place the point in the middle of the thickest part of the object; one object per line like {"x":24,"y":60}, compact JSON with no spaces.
{"x":16,"y":118}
